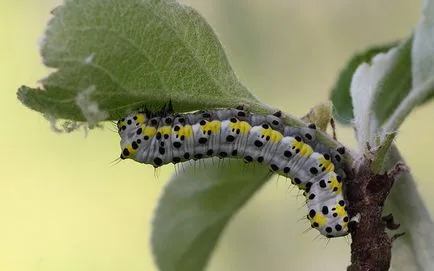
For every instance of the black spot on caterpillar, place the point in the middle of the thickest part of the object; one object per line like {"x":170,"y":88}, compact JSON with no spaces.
{"x":159,"y":138}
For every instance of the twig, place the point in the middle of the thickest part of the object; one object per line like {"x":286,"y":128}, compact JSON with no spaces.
{"x":366,"y":192}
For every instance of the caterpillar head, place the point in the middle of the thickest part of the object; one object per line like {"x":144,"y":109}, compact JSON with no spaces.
{"x":129,"y":149}
{"x":330,"y":218}
{"x":138,"y":139}
{"x":127,"y":126}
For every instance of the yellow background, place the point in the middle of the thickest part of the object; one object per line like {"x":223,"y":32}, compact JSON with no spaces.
{"x":64,"y":207}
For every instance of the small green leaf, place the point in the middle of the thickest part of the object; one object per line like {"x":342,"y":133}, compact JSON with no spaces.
{"x":382,"y":152}
{"x":320,"y":115}
{"x":340,"y":94}
{"x":195,"y":207}
{"x":132,"y":53}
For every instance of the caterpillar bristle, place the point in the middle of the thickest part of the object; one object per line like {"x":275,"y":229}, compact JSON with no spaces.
{"x":240,"y":107}
{"x":312,"y":126}
{"x":278,"y":114}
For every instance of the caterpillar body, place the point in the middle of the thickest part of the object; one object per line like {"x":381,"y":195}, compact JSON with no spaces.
{"x":163,"y":137}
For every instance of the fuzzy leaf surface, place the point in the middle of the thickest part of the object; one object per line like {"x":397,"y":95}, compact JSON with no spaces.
{"x":132,"y":53}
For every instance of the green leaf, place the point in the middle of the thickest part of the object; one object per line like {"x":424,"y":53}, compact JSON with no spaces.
{"x":422,"y":69}
{"x":340,"y":94}
{"x":365,"y":86}
{"x":132,"y":53}
{"x":395,"y":85}
{"x":415,"y":250}
{"x":195,"y":207}
{"x":423,"y":50}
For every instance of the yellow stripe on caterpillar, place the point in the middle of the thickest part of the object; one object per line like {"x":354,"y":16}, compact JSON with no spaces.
{"x":243,"y":126}
{"x":212,"y":126}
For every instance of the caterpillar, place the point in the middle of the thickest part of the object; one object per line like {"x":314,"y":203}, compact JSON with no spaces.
{"x":159,"y":138}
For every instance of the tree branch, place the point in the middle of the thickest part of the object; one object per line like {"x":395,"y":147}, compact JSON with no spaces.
{"x":366,"y":193}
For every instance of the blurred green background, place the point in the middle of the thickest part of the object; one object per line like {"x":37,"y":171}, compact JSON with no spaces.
{"x":63,"y":206}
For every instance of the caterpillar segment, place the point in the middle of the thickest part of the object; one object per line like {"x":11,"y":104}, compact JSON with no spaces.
{"x":166,"y":137}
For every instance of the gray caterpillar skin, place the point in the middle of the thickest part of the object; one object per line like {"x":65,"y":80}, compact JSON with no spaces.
{"x":165,"y":137}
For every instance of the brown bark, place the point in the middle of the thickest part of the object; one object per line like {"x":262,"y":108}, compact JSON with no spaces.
{"x":366,"y":193}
